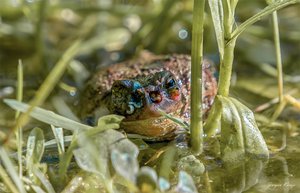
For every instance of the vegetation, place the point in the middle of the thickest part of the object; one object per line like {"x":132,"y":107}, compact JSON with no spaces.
{"x":56,"y":45}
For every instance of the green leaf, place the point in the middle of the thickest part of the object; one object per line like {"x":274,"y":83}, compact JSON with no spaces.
{"x":125,"y":164}
{"x":59,"y":137}
{"x":232,"y":142}
{"x":240,"y":136}
{"x":35,"y":147}
{"x":96,"y":145}
{"x":47,"y":116}
{"x":266,"y":11}
{"x":44,"y":180}
{"x":34,"y":151}
{"x":216,"y":9}
{"x":110,"y":121}
{"x":253,"y":139}
{"x":239,"y":132}
{"x":10,"y":168}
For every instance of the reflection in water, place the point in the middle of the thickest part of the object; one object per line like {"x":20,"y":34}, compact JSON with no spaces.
{"x":238,"y":177}
{"x":277,"y":178}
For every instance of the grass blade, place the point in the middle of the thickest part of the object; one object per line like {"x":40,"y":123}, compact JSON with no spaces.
{"x":11,"y":170}
{"x":47,"y":116}
{"x":19,"y":133}
{"x":6,"y":180}
{"x":216,"y":9}
{"x":44,"y":180}
{"x":59,"y":137}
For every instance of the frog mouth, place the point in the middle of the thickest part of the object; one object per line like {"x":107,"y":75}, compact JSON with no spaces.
{"x":158,"y":128}
{"x":154,"y":102}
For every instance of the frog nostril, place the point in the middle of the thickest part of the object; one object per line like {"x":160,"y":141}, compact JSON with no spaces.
{"x":155,"y":96}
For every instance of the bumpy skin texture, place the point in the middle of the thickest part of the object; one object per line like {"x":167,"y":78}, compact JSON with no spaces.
{"x":137,"y":89}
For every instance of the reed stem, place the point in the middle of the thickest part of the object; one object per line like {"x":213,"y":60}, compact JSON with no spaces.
{"x":278,"y":55}
{"x":196,"y":77}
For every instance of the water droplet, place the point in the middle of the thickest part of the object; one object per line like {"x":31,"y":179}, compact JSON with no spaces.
{"x":183,"y":34}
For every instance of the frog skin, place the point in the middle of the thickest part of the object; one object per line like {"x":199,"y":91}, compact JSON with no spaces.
{"x":140,"y":88}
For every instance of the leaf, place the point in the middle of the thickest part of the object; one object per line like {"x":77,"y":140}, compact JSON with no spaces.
{"x":110,"y":121}
{"x":47,"y":116}
{"x":147,"y":179}
{"x":216,"y":9}
{"x":254,"y":141}
{"x":266,"y":11}
{"x":35,"y":148}
{"x":10,"y":168}
{"x":34,"y":151}
{"x":185,"y":183}
{"x":125,"y":164}
{"x":240,"y":135}
{"x":59,"y":137}
{"x":44,"y":180}
{"x":232,"y":142}
{"x":94,"y":150}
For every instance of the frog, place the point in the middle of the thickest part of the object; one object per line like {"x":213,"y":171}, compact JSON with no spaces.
{"x":140,"y":89}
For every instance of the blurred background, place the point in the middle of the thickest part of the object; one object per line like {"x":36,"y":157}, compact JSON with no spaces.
{"x":39,"y":31}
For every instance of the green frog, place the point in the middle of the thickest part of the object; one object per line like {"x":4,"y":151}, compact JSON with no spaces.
{"x":140,"y":89}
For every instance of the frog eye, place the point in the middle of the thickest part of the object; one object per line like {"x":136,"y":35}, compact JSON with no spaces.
{"x":125,"y":97}
{"x":170,"y":83}
{"x":136,"y":98}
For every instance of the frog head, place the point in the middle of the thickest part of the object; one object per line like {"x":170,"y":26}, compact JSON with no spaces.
{"x":141,"y":99}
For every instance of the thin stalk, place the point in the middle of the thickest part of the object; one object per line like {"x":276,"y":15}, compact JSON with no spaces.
{"x":278,"y":55}
{"x":226,"y":64}
{"x":65,"y":160}
{"x":19,"y":133}
{"x":226,"y":69}
{"x":196,"y":77}
{"x":266,"y":11}
{"x":39,"y":35}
